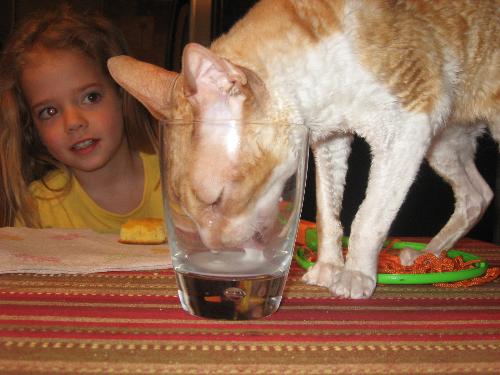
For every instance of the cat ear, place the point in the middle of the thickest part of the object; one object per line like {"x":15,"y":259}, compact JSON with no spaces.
{"x":212,"y":84}
{"x":150,"y":84}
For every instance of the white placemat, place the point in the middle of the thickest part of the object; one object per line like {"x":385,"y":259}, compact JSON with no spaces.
{"x":49,"y":251}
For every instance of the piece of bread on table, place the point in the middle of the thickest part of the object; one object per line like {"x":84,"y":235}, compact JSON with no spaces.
{"x":148,"y":231}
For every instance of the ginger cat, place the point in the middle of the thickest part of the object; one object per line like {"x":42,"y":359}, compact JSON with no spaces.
{"x":417,"y":79}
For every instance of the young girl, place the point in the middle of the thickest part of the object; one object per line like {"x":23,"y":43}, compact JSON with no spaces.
{"x":75,"y":150}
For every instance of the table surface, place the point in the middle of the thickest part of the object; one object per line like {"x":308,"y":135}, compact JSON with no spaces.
{"x":131,"y":322}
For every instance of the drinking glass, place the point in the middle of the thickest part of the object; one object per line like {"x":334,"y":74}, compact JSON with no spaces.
{"x":233,"y":194}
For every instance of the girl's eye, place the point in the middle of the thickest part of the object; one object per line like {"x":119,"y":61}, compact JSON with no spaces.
{"x":47,"y":113}
{"x":93,"y":97}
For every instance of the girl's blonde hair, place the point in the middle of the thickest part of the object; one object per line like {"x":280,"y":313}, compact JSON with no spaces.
{"x":23,"y":157}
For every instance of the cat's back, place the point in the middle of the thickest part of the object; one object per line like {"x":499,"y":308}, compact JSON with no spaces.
{"x":424,"y":50}
{"x":421,"y":50}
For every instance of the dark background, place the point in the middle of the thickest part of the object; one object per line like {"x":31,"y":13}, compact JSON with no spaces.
{"x":158,"y":29}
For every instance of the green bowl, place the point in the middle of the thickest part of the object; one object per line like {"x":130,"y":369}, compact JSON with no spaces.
{"x":405,"y":278}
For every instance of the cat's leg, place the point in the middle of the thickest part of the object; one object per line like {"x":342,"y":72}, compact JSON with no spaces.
{"x":452,"y":157}
{"x":330,"y":157}
{"x":397,"y":152}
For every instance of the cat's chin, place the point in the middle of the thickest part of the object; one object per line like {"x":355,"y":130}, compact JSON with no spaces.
{"x":255,"y":243}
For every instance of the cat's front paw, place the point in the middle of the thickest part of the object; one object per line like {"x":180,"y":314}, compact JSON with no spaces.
{"x":353,"y":284}
{"x":407,"y":256}
{"x":322,"y":274}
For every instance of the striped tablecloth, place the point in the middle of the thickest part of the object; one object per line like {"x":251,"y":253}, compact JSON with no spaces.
{"x":131,"y":323}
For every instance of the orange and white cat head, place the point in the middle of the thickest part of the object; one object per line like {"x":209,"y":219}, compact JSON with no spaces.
{"x":226,"y":158}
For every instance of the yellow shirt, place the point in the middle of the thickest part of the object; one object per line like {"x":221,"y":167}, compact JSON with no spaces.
{"x":76,"y":209}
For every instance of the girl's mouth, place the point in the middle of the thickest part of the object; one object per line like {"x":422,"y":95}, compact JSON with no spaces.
{"x":85,"y":146}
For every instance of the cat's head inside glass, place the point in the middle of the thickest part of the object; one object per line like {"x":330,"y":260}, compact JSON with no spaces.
{"x":236,"y":183}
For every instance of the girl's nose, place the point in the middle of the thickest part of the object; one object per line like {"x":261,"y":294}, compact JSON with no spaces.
{"x":74,"y":120}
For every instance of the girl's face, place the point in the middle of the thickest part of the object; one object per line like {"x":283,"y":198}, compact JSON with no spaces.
{"x":75,"y":108}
